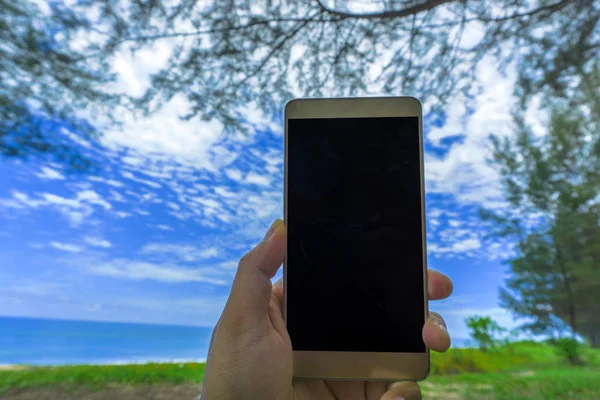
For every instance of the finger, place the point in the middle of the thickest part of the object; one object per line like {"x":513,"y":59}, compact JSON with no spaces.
{"x":435,"y":333}
{"x":212,"y":341}
{"x":439,"y":285}
{"x":251,"y":289}
{"x":278,"y":292}
{"x":403,"y":390}
{"x":346,"y":389}
{"x":375,"y":389}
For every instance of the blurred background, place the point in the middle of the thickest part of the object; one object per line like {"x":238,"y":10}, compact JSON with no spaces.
{"x":141,"y":154}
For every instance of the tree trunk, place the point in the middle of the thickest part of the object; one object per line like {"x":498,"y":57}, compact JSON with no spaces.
{"x":595,"y":340}
{"x":567,"y":285}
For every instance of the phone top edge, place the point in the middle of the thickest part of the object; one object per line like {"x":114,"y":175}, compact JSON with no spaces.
{"x":353,"y":107}
{"x":352,"y":98}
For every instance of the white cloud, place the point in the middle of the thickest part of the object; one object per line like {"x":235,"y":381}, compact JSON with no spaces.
{"x":234,"y":174}
{"x":164,"y":152}
{"x":201,"y":310}
{"x":434,"y":213}
{"x":187,"y":253}
{"x":225,"y":192}
{"x":166,"y":138}
{"x":118,"y":197}
{"x":110,"y":182}
{"x":261,"y":180}
{"x":68,"y":247}
{"x":76,"y":208}
{"x":36,"y":288}
{"x":173,"y":206}
{"x":133,"y":70}
{"x":20,"y":200}
{"x":163,"y":227}
{"x":209,"y":203}
{"x":233,"y":264}
{"x":76,"y":138}
{"x":454,"y":223}
{"x":49,"y":173}
{"x":97,"y":242}
{"x":464,"y":172}
{"x":129,"y":175}
{"x":258,"y":121}
{"x":456,"y":247}
{"x":92,"y":197}
{"x":138,"y":270}
{"x":43,"y":7}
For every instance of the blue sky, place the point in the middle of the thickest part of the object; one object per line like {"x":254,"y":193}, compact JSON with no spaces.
{"x":158,"y":241}
{"x":154,"y":235}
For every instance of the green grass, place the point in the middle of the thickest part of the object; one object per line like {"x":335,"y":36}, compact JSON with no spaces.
{"x":511,"y":357}
{"x":100,"y":375}
{"x":567,"y":383}
{"x":524,"y":370}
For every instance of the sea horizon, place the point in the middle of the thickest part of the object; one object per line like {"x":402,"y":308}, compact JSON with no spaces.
{"x":48,"y":341}
{"x":101,"y":321}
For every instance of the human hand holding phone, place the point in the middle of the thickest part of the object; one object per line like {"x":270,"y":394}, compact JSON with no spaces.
{"x":250,"y":355}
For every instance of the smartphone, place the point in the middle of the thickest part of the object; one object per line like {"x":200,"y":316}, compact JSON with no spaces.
{"x":355,"y":272}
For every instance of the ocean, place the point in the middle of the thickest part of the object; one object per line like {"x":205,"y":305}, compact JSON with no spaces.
{"x":54,"y":342}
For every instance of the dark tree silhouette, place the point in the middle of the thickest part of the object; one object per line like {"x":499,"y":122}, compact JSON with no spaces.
{"x":45,"y":82}
{"x":552,"y":186}
{"x":230,"y":54}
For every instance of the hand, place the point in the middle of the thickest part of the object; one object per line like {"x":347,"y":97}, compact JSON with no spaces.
{"x":250,"y":355}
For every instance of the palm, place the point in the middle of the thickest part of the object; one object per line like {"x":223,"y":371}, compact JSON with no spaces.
{"x":338,"y":390}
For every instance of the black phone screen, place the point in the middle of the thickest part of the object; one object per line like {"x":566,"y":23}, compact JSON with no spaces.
{"x":355,"y":253}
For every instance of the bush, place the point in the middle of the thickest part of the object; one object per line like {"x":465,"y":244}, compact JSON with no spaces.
{"x":457,"y":361}
{"x":570,"y":349}
{"x":484,"y":331}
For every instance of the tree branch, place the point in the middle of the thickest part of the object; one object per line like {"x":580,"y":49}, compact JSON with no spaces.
{"x":262,"y":64}
{"x":274,"y":50}
{"x":550,"y":7}
{"x":172,"y":35}
{"x":217,"y":30}
{"x":425,"y":6}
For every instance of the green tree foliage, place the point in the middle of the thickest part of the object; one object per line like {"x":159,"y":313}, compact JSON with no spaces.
{"x":570,"y":350}
{"x":552,"y":186}
{"x":45,"y":81}
{"x":485,"y":331}
{"x":227,"y":55}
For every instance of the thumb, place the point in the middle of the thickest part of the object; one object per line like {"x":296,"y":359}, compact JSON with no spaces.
{"x":251,"y":290}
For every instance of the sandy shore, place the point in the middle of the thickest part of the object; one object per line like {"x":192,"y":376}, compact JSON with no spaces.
{"x":12,"y":367}
{"x":111,"y":392}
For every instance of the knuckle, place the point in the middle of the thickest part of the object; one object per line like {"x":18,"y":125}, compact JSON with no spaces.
{"x":246,"y":259}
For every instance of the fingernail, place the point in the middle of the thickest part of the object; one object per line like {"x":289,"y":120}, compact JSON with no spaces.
{"x":272,"y":229}
{"x":441,"y":325}
{"x":398,"y":398}
{"x":436,"y":321}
